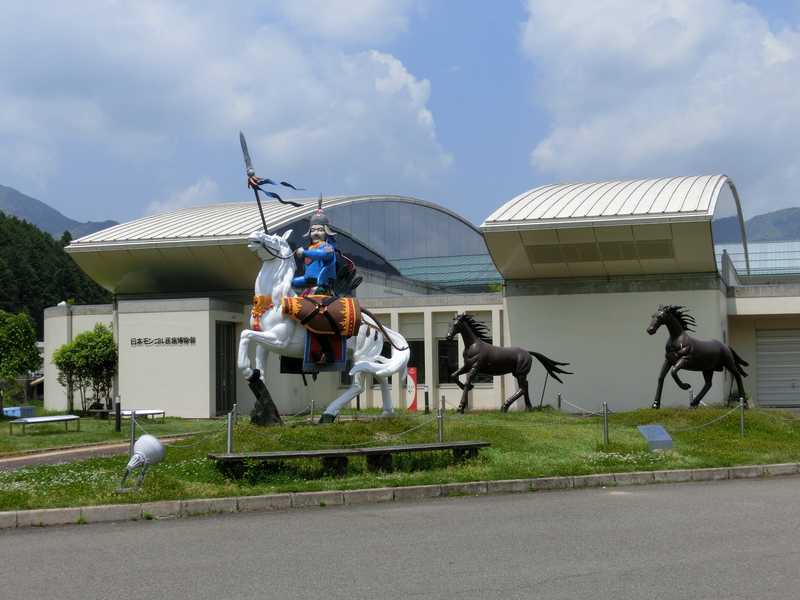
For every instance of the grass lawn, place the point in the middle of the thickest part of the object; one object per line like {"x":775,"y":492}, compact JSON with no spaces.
{"x":42,"y":437}
{"x":523,"y":445}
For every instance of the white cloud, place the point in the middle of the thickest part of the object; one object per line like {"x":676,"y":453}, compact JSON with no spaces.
{"x":203,"y":191}
{"x":149,"y":86}
{"x":669,"y":87}
{"x":350,"y":20}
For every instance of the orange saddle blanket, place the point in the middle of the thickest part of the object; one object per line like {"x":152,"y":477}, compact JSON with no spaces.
{"x":324,"y":315}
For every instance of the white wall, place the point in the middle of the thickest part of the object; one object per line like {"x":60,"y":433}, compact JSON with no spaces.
{"x":603,"y":337}
{"x":56,"y":334}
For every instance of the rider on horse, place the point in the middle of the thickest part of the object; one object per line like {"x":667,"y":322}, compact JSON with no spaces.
{"x":319,"y":258}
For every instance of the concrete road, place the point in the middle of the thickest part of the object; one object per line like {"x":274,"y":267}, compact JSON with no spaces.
{"x":731,"y":540}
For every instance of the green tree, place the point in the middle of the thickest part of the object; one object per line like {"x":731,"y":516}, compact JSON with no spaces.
{"x":18,"y":352}
{"x":89,"y":362}
{"x":36,"y":272}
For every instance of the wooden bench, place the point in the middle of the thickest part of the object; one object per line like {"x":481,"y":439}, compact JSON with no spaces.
{"x":335,"y":460}
{"x":39,"y":420}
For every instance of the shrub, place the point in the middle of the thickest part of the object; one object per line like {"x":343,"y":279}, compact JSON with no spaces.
{"x":88,"y":362}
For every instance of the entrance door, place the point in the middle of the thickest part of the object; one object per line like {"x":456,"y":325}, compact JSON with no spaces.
{"x":226,"y":367}
{"x":778,"y":354}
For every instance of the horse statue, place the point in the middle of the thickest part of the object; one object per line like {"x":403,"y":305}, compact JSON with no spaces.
{"x":686,"y":352}
{"x":481,"y":357}
{"x":272,"y":330}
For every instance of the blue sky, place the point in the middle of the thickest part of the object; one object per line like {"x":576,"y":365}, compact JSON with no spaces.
{"x":120,"y":109}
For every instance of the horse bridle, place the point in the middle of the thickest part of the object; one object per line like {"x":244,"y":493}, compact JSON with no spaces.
{"x":272,"y":253}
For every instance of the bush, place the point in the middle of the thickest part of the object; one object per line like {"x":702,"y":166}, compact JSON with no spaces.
{"x":89,"y":362}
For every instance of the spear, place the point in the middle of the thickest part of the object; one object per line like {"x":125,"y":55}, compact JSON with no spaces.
{"x":252,"y":182}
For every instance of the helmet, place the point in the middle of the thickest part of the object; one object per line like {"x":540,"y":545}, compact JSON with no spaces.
{"x":320,"y":218}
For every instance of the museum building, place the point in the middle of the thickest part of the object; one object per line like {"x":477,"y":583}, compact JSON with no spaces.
{"x":582,"y":267}
{"x":183,"y":284}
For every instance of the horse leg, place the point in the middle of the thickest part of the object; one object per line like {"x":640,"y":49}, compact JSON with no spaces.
{"x":261,"y":360}
{"x":708,"y":377}
{"x":243,"y":359}
{"x":386,"y":397}
{"x":674,"y":372}
{"x":507,"y":404}
{"x":661,"y":376}
{"x":730,"y":364}
{"x":465,"y":390}
{"x":522,"y":381}
{"x":356,"y":388}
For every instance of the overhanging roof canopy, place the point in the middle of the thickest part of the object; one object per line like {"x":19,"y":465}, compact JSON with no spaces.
{"x":611,"y":228}
{"x":199,"y":248}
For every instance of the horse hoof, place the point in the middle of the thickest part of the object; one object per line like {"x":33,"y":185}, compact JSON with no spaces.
{"x":504,"y":409}
{"x":685,"y":386}
{"x":656,"y":405}
{"x":694,"y":405}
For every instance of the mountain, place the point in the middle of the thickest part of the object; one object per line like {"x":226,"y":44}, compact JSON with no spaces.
{"x":35,"y":272}
{"x":778,"y":226}
{"x":46,"y":218}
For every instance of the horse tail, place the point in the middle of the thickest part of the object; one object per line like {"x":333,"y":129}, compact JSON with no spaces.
{"x":739,"y":362}
{"x":552,"y":366}
{"x":386,"y":336}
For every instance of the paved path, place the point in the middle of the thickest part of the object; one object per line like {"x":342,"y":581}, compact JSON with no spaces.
{"x":723,"y":540}
{"x":65,"y":455}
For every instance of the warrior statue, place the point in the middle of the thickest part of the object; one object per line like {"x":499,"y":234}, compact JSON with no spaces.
{"x":319,"y":257}
{"x":313,"y":319}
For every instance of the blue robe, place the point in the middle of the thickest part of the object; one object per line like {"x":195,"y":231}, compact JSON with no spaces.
{"x":320,"y":266}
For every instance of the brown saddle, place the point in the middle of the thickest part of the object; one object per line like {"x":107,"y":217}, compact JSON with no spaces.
{"x":324,"y":315}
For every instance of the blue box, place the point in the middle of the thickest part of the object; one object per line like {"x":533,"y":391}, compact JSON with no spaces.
{"x":656,"y":436}
{"x":19,"y":411}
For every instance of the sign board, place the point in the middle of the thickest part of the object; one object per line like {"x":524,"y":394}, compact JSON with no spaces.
{"x":656,"y":436}
{"x":411,"y":389}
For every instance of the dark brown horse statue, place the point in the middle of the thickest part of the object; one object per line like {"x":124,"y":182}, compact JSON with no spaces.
{"x":685,"y":352}
{"x":481,"y":357}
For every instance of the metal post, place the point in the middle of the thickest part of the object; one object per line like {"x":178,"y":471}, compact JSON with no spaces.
{"x":605,"y":423}
{"x":358,"y":402}
{"x":311,"y":414}
{"x":559,"y":402}
{"x":133,"y":433}
{"x":741,"y":416}
{"x":229,"y":443}
{"x":427,"y":404}
{"x":235,"y":411}
{"x":691,"y":397}
{"x":440,"y":422}
{"x":118,"y":414}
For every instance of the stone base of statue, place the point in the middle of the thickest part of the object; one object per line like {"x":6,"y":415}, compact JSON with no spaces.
{"x":264,"y":412}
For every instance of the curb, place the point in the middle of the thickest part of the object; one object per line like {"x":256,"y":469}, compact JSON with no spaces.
{"x":171,"y":509}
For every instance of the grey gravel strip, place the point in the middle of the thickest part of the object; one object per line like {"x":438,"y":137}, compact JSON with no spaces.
{"x":270,"y":502}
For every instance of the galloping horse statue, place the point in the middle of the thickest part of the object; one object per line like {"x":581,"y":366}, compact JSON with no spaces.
{"x":685,"y":352}
{"x":481,"y":357}
{"x":273,"y":331}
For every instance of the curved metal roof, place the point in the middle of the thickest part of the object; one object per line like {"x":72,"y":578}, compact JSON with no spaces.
{"x":612,"y":202}
{"x":229,"y":222}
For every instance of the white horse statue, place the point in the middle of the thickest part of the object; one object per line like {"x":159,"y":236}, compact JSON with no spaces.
{"x":285,"y":336}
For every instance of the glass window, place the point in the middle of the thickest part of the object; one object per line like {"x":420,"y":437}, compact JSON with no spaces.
{"x":448,"y":360}
{"x":417,"y":359}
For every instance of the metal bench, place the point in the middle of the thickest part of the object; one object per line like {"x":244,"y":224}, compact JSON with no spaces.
{"x":335,"y":460}
{"x":39,"y":420}
{"x":143,"y":412}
